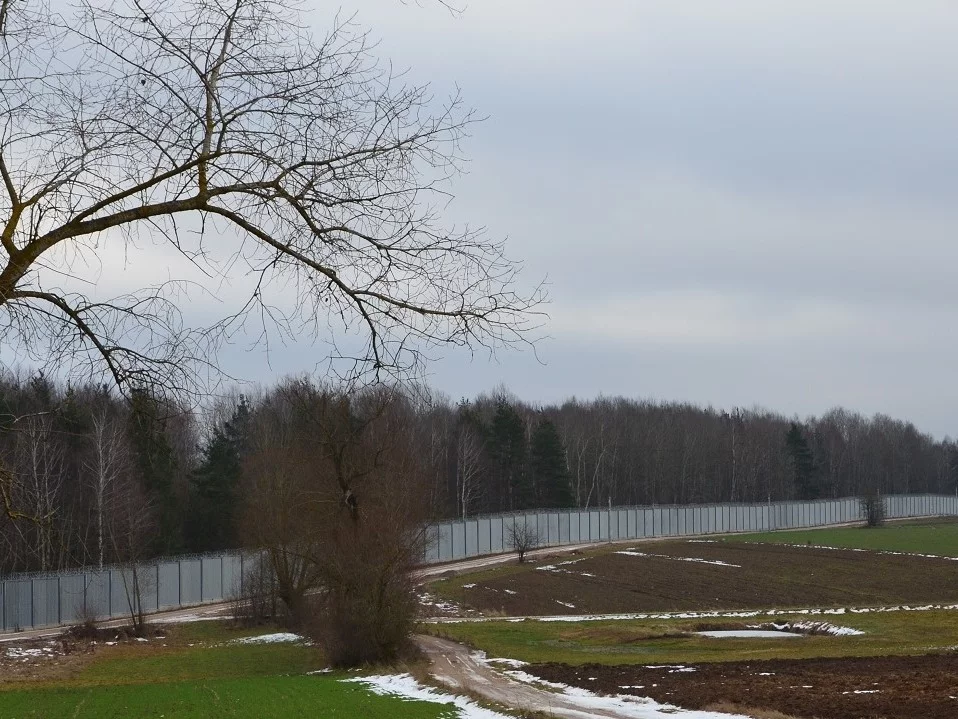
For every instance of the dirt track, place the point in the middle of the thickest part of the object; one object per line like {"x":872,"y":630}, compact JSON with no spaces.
{"x":923,"y":687}
{"x":455,"y":666}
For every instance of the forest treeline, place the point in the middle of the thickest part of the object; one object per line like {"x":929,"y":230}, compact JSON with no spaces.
{"x":93,"y":478}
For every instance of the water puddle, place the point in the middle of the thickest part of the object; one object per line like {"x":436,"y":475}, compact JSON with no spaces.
{"x":749,"y":634}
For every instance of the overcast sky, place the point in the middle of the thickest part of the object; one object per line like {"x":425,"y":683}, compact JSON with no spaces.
{"x":736,"y":202}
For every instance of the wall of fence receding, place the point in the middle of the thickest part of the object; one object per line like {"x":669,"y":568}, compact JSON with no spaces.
{"x":490,"y":534}
{"x":41,"y":600}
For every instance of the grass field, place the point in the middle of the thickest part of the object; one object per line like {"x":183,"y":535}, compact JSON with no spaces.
{"x":655,"y":641}
{"x":197,"y":674}
{"x":273,"y":697}
{"x":939,"y":537}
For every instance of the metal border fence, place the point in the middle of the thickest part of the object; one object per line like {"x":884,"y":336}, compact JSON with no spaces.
{"x":44,"y":600}
{"x":460,"y":539}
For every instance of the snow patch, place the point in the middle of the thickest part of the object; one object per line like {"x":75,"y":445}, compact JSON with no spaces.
{"x":503,"y":660}
{"x":25,"y":654}
{"x":277,"y":638}
{"x":858,"y":549}
{"x":716,"y":562}
{"x":404,"y":686}
{"x":817,"y":628}
{"x":623,"y":705}
{"x":712,"y":614}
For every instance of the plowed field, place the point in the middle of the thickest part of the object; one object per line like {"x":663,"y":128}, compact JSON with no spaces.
{"x":695,"y":575}
{"x":922,"y":687}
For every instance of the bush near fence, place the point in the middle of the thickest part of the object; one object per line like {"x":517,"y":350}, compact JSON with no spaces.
{"x":43,"y":600}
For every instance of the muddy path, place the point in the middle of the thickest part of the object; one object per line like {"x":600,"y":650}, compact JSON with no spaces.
{"x":460,"y":670}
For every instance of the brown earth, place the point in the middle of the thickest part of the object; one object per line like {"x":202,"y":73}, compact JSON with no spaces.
{"x":922,"y":687}
{"x":764,"y":576}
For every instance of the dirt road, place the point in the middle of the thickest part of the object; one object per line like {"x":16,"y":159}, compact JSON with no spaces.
{"x":461,"y":670}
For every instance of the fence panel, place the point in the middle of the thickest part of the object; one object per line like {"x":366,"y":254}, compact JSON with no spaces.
{"x":212,"y":574}
{"x":47,"y":600}
{"x":191,"y":582}
{"x":168,"y":584}
{"x":232,"y":576}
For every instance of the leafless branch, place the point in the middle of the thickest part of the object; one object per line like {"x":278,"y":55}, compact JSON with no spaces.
{"x":225,"y":134}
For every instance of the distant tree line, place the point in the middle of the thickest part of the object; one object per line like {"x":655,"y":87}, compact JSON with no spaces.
{"x":96,"y":479}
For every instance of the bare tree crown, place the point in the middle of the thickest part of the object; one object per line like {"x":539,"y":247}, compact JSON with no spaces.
{"x":227,"y":132}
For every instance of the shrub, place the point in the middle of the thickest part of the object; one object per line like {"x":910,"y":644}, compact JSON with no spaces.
{"x":873,"y":509}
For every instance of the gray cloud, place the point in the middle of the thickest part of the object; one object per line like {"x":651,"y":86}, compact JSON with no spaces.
{"x":737,"y":203}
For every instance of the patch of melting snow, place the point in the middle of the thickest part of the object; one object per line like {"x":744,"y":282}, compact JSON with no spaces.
{"x":859,"y":549}
{"x":468,"y":586}
{"x":714,"y":614}
{"x":430,"y":601}
{"x":188,"y":618}
{"x":404,"y":686}
{"x":510,"y":591}
{"x":277,"y":638}
{"x":817,"y":628}
{"x":565,"y":604}
{"x":25,"y":654}
{"x":624,"y":705}
{"x":716,"y":562}
{"x":863,"y":691}
{"x":527,"y":678}
{"x":503,"y":660}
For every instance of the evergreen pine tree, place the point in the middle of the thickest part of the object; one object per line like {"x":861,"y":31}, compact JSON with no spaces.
{"x":156,"y":465}
{"x":211,"y":524}
{"x":507,"y":445}
{"x":804,"y":471}
{"x":548,"y":464}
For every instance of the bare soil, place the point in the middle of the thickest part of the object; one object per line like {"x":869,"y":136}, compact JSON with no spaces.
{"x":763,"y":576}
{"x":916,"y":687}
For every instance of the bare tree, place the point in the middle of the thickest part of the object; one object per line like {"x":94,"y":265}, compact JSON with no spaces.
{"x":522,"y":538}
{"x":132,"y":530}
{"x":469,"y":489}
{"x":339,"y":502}
{"x":110,"y":460}
{"x":227,"y":134}
{"x":39,"y":470}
